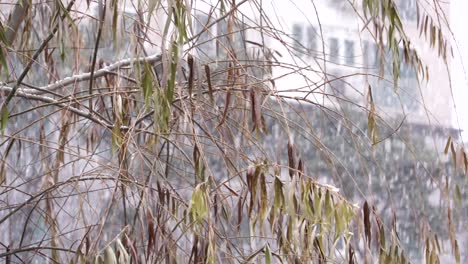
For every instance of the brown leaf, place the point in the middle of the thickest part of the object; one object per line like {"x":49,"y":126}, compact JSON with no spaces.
{"x":226,"y":108}
{"x":291,"y":158}
{"x":263,"y":197}
{"x":151,"y":233}
{"x":252,"y":179}
{"x":254,"y":114}
{"x":300,"y":168}
{"x":191,"y":73}
{"x":208,"y":80}
{"x":367,"y":224}
{"x":351,"y":255}
{"x":239,"y":213}
{"x":256,"y":109}
{"x":215,"y":206}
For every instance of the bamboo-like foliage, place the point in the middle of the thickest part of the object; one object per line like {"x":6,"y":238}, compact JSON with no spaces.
{"x":125,"y":141}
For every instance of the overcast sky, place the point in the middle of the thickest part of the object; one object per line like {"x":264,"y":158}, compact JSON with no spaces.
{"x":459,"y":21}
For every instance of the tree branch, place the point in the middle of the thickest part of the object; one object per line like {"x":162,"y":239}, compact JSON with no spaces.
{"x":33,"y":60}
{"x":15,"y":19}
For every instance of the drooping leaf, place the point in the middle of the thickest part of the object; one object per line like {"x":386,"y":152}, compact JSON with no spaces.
{"x":454,"y":154}
{"x":3,"y":62}
{"x":263,"y":197}
{"x":123,"y":256}
{"x":147,"y":86}
{"x":267,"y":254}
{"x":456,"y":252}
{"x":109,"y":256}
{"x":449,"y":141}
{"x":191,"y":75}
{"x":372,"y":129}
{"x":458,"y":195}
{"x":4,"y":120}
{"x":367,"y":224}
{"x":291,"y":159}
{"x":279,"y":197}
{"x":210,"y":87}
{"x":199,"y":206}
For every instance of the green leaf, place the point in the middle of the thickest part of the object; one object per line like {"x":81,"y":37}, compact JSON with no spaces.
{"x":171,"y":84}
{"x":109,"y":256}
{"x":458,"y":195}
{"x":267,"y":254}
{"x":328,"y":205}
{"x":147,"y":86}
{"x":62,"y":49}
{"x":98,"y":260}
{"x":279,"y":196}
{"x":2,"y":34}
{"x":339,"y":224}
{"x":456,"y":252}
{"x":199,"y":206}
{"x":4,"y":118}
{"x":372,"y":129}
{"x":3,"y":61}
{"x":115,"y":16}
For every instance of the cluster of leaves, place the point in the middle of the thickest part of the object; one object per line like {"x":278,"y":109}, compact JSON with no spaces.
{"x":106,"y":153}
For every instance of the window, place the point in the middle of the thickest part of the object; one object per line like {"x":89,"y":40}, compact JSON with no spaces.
{"x":341,"y":5}
{"x":311,"y":40}
{"x":233,"y":40}
{"x":371,"y":55}
{"x":334,"y":50}
{"x":409,"y":86}
{"x":407,"y":93}
{"x":297,"y":39}
{"x":130,"y":21}
{"x":407,"y":9}
{"x":239,"y":39}
{"x":337,"y":83}
{"x":349,"y":46}
{"x":222,"y":39}
{"x":203,"y":42}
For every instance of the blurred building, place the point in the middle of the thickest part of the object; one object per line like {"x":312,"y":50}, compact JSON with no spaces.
{"x":335,"y":56}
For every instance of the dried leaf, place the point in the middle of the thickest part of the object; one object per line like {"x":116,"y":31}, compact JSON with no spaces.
{"x":123,"y":256}
{"x":449,"y":141}
{"x":226,"y":107}
{"x":291,"y":158}
{"x":151,"y":231}
{"x":263,"y":197}
{"x":210,"y":87}
{"x":300,"y":168}
{"x":191,"y":74}
{"x":458,"y":195}
{"x":372,"y":129}
{"x":367,"y":224}
{"x":351,"y":258}
{"x":147,"y":86}
{"x":454,"y":154}
{"x":239,"y":213}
